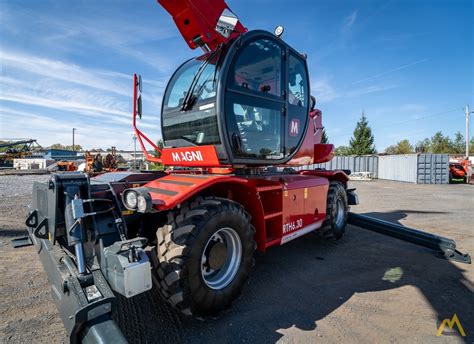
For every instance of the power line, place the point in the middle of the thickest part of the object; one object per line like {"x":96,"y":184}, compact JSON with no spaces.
{"x":420,"y":118}
{"x":126,"y":147}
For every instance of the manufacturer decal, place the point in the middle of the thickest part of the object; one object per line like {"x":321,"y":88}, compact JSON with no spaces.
{"x":298,"y":231}
{"x":190,"y":156}
{"x":292,"y":226}
{"x":294,"y":127}
{"x":187,"y":156}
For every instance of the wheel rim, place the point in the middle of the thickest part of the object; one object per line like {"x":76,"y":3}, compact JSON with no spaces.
{"x":340,"y":212}
{"x":221,"y":258}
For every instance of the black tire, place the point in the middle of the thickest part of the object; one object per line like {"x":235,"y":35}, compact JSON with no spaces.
{"x":181,"y":244}
{"x":334,"y":225}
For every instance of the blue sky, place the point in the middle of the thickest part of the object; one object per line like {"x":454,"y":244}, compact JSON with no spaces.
{"x":64,"y":64}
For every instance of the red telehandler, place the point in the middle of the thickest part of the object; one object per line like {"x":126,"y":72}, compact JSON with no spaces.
{"x":235,"y":121}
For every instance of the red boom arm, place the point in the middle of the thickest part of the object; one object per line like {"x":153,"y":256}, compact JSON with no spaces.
{"x":197,"y":20}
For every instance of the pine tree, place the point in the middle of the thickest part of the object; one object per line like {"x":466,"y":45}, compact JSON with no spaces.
{"x":362,"y":142}
{"x":440,"y":144}
{"x":458,"y":144}
{"x":324,"y":137}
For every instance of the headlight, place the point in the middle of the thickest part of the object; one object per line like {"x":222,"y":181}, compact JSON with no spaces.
{"x":137,"y":199}
{"x":141,"y":204}
{"x":130,"y":199}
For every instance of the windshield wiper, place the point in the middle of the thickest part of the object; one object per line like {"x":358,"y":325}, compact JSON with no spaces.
{"x":189,"y":99}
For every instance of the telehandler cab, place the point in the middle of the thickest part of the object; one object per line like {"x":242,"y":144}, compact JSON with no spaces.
{"x":234,"y":122}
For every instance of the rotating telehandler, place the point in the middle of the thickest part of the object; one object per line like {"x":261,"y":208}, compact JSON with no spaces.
{"x":236,"y":121}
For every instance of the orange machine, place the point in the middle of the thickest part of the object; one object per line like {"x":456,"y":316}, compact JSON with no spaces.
{"x":98,"y":163}
{"x":460,"y":169}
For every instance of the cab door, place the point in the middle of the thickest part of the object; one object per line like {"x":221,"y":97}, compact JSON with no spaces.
{"x":255,"y":101}
{"x":297,"y":90}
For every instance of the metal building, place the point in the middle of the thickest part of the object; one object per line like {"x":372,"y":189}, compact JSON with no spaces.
{"x":410,"y":168}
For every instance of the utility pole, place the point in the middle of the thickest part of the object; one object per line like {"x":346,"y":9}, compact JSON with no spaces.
{"x":134,"y":137}
{"x":468,"y":113}
{"x":73,"y":130}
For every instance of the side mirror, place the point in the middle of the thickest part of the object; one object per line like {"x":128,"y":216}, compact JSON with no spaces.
{"x":312,"y":103}
{"x":139,"y":81}
{"x":226,"y":23}
{"x":139,"y":106}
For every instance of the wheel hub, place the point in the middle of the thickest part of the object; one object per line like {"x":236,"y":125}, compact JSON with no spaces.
{"x":221,"y":258}
{"x":217,"y":256}
{"x":340,"y":212}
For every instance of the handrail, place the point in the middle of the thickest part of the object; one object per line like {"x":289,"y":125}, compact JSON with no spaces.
{"x":138,"y":133}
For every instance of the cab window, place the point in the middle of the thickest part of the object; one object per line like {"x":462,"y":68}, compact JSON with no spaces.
{"x":298,"y":100}
{"x":179,"y":85}
{"x":198,"y":124}
{"x":255,"y":128}
{"x":297,"y":83}
{"x":258,"y":68}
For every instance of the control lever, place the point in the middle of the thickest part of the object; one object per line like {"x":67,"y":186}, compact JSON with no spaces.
{"x":237,"y":141}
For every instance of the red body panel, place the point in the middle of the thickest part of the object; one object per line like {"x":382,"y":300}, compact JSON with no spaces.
{"x":312,"y":151}
{"x":197,"y":19}
{"x":282,"y":206}
{"x":175,"y":188}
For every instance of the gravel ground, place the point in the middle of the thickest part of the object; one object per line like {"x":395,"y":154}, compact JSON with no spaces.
{"x":363,"y":288}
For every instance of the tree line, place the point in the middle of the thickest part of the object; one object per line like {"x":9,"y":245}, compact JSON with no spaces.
{"x":78,"y":148}
{"x":362,"y":143}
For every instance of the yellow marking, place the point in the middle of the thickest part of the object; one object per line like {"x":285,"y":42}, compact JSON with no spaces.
{"x":451,"y":323}
{"x":49,"y":236}
{"x":135,"y":185}
{"x":127,"y":212}
{"x":305,"y":193}
{"x":285,"y":193}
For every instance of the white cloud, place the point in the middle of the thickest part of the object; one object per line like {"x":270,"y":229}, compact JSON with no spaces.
{"x":64,"y":87}
{"x":53,"y":69}
{"x":393,"y":70}
{"x":349,"y":21}
{"x":369,"y":89}
{"x":49,"y":130}
{"x":323,"y":90}
{"x":326,"y":92}
{"x":43,"y":93}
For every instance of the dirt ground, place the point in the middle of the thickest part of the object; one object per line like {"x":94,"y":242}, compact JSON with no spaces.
{"x":364,"y":288}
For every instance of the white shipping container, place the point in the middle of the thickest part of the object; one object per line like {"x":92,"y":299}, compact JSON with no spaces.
{"x":401,"y":167}
{"x":31,"y":164}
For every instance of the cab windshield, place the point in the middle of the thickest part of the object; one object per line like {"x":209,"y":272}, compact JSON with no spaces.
{"x":195,"y":124}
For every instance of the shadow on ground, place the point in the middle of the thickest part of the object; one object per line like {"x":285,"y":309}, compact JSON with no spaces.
{"x":302,"y":282}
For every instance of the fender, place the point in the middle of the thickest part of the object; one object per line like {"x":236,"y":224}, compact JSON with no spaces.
{"x":175,"y":188}
{"x":336,"y":175}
